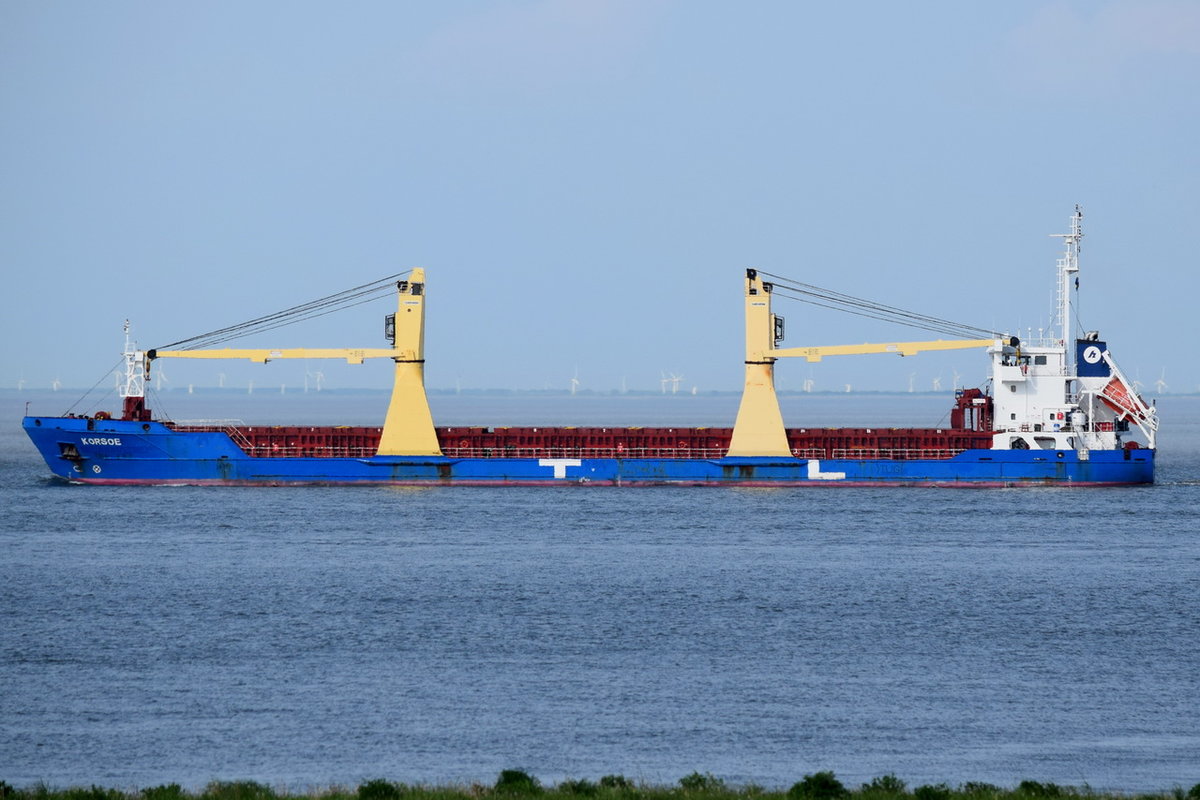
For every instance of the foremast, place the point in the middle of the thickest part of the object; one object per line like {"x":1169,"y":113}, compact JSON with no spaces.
{"x":133,"y":390}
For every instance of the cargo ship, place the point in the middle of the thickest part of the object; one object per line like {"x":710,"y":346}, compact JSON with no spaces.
{"x":1056,"y":411}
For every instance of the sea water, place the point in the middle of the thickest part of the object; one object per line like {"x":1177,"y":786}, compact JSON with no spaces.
{"x":310,"y":636}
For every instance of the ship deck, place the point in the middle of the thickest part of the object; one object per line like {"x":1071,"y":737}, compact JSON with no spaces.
{"x":602,"y":442}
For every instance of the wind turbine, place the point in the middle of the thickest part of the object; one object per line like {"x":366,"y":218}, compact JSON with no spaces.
{"x":575,"y":382}
{"x":937,"y":383}
{"x":675,"y":379}
{"x":220,"y":380}
{"x":20,"y":384}
{"x":665,"y":380}
{"x":912,"y":376}
{"x":956,"y":377}
{"x":317,"y":377}
{"x":1161,"y":383}
{"x":808,"y":384}
{"x":55,"y":384}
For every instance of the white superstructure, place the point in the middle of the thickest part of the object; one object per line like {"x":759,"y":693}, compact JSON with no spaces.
{"x":1060,"y":392}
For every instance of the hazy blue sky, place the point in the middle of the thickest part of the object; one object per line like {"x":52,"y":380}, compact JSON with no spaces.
{"x":586,"y":181}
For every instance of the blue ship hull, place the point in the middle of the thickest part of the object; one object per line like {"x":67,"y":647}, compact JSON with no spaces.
{"x":149,"y":453}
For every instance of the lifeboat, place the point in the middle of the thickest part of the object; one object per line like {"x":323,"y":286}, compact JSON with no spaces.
{"x":1116,"y":395}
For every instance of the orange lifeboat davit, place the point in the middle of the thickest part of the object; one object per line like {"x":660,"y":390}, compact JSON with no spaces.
{"x":1117,"y":397}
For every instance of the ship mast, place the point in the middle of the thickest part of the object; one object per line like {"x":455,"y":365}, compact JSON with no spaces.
{"x":1068,"y":269}
{"x":135,"y":373}
{"x":133,"y":392}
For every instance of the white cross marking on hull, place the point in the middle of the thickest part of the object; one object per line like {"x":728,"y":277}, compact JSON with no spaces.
{"x":560,"y":465}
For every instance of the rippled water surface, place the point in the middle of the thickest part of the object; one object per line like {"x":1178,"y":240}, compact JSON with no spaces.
{"x":304,"y":636}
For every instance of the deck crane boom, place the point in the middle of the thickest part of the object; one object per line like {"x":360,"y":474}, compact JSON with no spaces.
{"x":408,"y":428}
{"x":759,"y":430}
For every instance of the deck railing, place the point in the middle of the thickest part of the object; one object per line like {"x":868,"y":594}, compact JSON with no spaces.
{"x":317,"y":451}
{"x":894,"y":453}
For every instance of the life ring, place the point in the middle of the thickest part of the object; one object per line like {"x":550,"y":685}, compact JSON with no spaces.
{"x":464,"y":443}
{"x":683,"y":445}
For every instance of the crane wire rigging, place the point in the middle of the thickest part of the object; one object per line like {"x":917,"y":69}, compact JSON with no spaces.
{"x":339,"y":301}
{"x":849,"y":304}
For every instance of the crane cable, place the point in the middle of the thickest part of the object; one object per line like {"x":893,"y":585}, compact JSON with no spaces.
{"x":348,"y":298}
{"x":837,"y":301}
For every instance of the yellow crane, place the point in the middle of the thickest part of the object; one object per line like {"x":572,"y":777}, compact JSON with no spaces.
{"x":759,"y":430}
{"x":408,"y":428}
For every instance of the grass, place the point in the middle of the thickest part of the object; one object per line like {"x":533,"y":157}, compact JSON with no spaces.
{"x":518,"y":784}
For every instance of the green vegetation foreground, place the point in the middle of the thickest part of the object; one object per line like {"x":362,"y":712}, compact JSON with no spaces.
{"x":518,"y":784}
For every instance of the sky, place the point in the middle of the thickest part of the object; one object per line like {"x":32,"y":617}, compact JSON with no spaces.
{"x":585,"y":182}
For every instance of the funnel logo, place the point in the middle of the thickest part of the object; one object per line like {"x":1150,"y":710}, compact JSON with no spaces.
{"x":1090,"y":359}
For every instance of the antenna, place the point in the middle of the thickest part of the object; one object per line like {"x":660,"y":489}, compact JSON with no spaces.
{"x":1068,"y":267}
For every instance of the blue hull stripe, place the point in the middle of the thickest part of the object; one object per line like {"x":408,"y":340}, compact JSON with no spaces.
{"x":121,"y":452}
